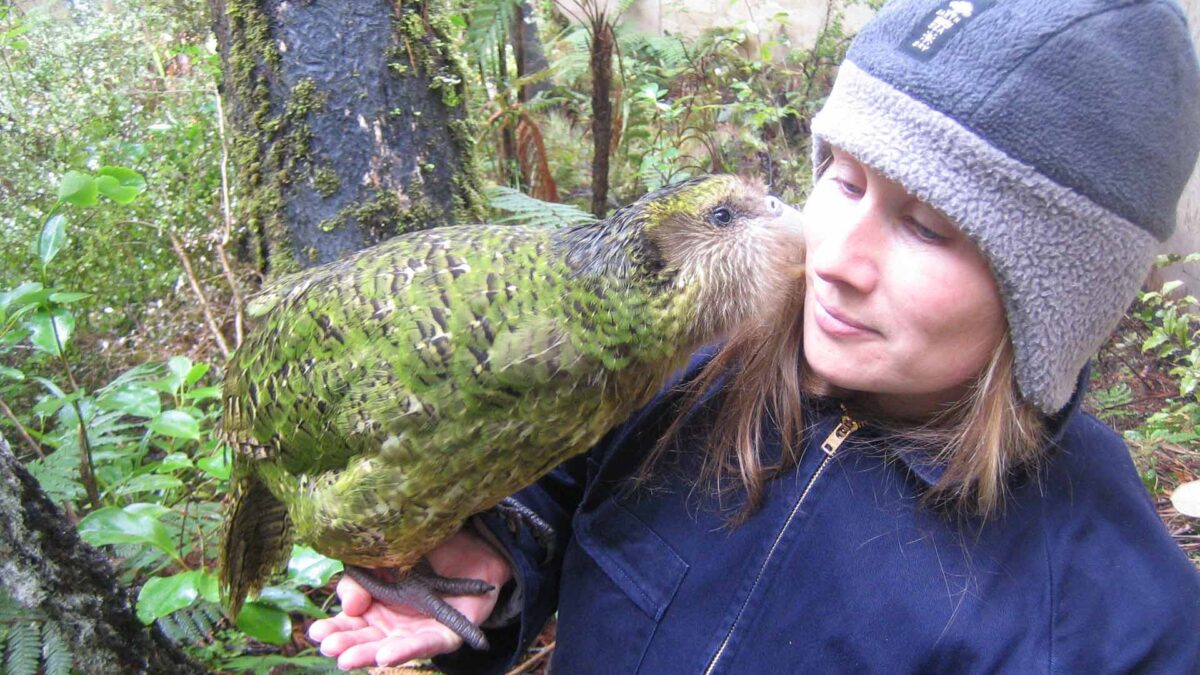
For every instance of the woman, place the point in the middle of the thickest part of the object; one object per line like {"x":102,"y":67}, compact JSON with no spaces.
{"x":893,"y":474}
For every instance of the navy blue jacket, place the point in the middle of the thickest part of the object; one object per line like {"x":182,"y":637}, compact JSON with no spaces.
{"x":843,"y":569}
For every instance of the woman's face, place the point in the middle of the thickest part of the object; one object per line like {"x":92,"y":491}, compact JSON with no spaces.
{"x":900,"y":304}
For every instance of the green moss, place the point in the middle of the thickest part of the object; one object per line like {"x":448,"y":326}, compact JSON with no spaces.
{"x":388,"y":213}
{"x":272,"y":148}
{"x":326,"y":182}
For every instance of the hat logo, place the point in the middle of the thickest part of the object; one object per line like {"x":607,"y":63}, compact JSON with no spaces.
{"x":937,"y":27}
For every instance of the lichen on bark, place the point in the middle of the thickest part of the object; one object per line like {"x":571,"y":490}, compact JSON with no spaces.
{"x":349,"y":124}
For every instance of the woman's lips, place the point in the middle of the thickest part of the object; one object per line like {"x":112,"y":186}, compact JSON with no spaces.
{"x":839,"y":325}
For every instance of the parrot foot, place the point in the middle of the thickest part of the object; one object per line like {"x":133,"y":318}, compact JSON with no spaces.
{"x":418,"y":589}
{"x":516,"y":513}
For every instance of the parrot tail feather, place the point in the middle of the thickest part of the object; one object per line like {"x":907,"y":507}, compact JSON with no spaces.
{"x":256,"y":543}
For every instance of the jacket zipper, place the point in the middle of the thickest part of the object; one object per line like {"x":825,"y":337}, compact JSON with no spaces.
{"x":846,"y":426}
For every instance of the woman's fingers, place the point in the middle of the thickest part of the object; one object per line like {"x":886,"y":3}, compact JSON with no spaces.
{"x":342,"y":641}
{"x":427,"y":641}
{"x":355,"y":599}
{"x":323,"y":628}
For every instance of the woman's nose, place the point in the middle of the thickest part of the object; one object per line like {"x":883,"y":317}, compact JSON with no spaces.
{"x":847,"y":252}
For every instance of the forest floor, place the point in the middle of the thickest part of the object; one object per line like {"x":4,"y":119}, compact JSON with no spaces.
{"x":1163,"y":466}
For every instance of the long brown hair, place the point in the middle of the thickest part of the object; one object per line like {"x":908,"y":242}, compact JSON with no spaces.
{"x":979,"y":440}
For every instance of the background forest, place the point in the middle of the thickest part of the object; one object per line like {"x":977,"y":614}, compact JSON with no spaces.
{"x":124,"y":266}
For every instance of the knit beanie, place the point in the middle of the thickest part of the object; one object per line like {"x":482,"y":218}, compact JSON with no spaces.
{"x":1057,"y":134}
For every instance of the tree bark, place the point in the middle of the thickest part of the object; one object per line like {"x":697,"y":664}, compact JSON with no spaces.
{"x":349,"y":124}
{"x":530,"y":55}
{"x":46,"y":567}
{"x":601,"y":65}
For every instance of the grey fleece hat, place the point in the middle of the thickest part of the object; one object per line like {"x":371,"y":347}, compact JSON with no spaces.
{"x":1058,"y":134}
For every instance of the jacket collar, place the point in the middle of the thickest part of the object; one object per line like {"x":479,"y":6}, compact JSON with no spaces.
{"x":930,"y":471}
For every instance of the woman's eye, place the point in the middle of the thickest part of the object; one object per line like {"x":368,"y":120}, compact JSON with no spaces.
{"x":722,"y":215}
{"x":924,"y":233}
{"x":848,"y":187}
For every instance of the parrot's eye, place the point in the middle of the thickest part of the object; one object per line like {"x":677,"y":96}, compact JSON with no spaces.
{"x":721,"y":215}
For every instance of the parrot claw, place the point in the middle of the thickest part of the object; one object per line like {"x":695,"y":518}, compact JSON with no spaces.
{"x":418,"y":589}
{"x":516,"y":513}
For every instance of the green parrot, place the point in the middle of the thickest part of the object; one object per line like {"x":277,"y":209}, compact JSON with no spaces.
{"x":384,"y":398}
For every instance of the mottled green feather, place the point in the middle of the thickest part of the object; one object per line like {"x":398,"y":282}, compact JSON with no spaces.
{"x":386,"y":397}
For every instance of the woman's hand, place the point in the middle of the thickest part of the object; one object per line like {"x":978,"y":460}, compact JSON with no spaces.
{"x":368,"y":633}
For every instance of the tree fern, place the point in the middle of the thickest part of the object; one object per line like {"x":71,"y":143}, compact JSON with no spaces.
{"x":488,"y":24}
{"x":526,"y":210}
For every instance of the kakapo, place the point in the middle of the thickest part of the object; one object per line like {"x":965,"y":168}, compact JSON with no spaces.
{"x":383,"y":399}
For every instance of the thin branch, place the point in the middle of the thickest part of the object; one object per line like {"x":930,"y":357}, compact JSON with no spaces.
{"x":33,"y":445}
{"x":227,"y":230}
{"x":531,"y":661}
{"x":86,"y":474}
{"x":199,"y":292}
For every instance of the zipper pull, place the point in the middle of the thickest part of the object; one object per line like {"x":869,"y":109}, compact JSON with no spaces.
{"x":846,"y":426}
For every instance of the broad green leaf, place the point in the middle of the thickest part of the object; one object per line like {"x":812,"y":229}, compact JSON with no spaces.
{"x":50,"y":405}
{"x":210,"y":588}
{"x":265,"y":623}
{"x":195,"y":373}
{"x":149,"y":482}
{"x":66,"y":298}
{"x":179,"y":365}
{"x":151,"y":509}
{"x":215,"y":465}
{"x":132,"y":400}
{"x":110,"y":187}
{"x":1170,"y":286}
{"x":310,"y":568}
{"x":203,"y":393}
{"x":1156,"y":339}
{"x":111,"y":525}
{"x":78,"y":188}
{"x":1187,"y":384}
{"x":162,"y":595}
{"x":30,"y":292}
{"x":125,"y":175}
{"x":21,"y":29}
{"x":43,"y":325}
{"x":290,"y":600}
{"x":176,"y":423}
{"x":50,"y":386}
{"x":12,"y":373}
{"x":54,"y":233}
{"x":173,"y":462}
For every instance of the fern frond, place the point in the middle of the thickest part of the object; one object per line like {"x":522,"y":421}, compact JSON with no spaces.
{"x":56,"y":652}
{"x":488,"y":24}
{"x":191,"y":625}
{"x":23,"y":649}
{"x":58,"y":474}
{"x":668,"y":49}
{"x":526,"y":210}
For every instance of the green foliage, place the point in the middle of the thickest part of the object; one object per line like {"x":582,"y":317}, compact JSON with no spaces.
{"x":139,"y":455}
{"x":526,"y":210}
{"x":84,"y":88}
{"x":29,"y":644}
{"x":1173,"y":324}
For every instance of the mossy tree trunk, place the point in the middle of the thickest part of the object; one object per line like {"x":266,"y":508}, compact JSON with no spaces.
{"x":48,"y":569}
{"x":348,"y":124}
